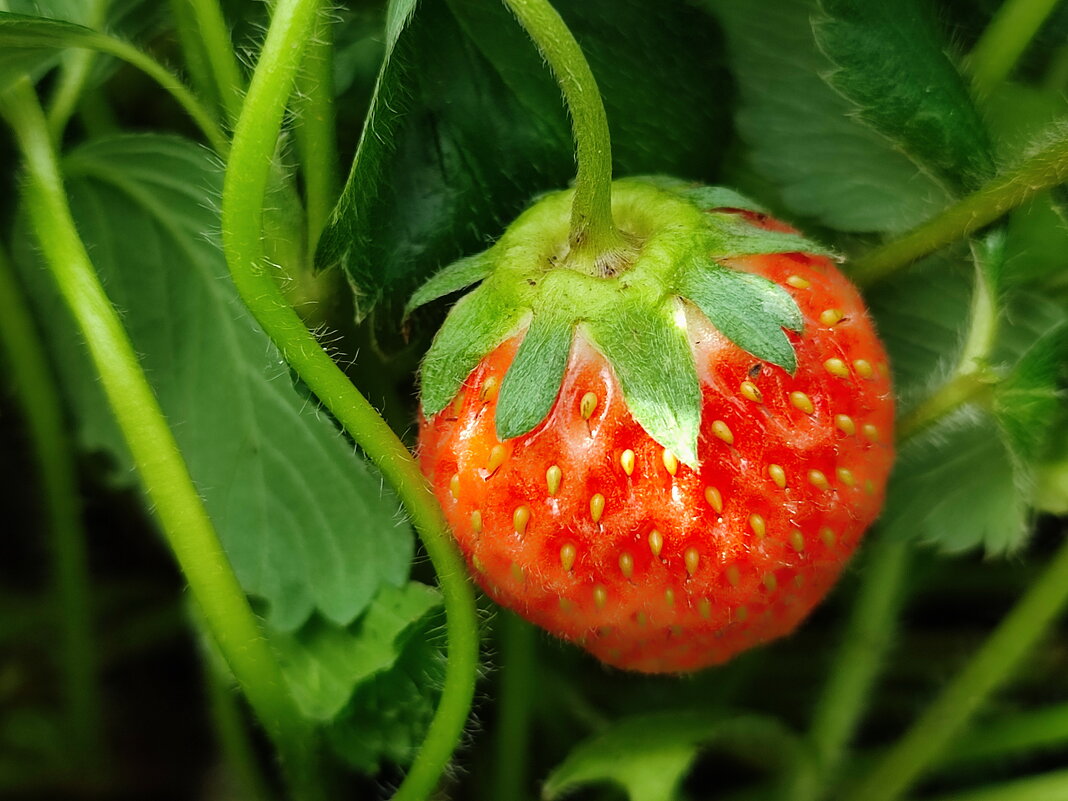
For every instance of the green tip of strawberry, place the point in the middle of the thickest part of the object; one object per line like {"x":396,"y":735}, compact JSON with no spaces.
{"x":631,"y":454}
{"x":635,"y":314}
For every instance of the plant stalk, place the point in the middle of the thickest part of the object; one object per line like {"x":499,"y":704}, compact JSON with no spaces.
{"x":856,"y":667}
{"x":516,"y":694}
{"x":596,"y":244}
{"x":315,"y":132}
{"x":988,"y":669}
{"x":163,"y":472}
{"x":219,"y":51}
{"x":1045,"y":168}
{"x":255,"y":137}
{"x":1004,"y":41}
{"x":36,"y":392}
{"x":167,"y":80}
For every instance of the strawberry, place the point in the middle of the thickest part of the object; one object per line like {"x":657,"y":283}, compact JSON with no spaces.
{"x":667,"y":460}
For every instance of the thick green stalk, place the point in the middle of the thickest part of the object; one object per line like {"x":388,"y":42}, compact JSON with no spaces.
{"x":1017,"y":734}
{"x":856,"y":667}
{"x":991,"y":667}
{"x":1046,"y":168}
{"x":232,"y":735}
{"x":72,"y":78}
{"x":1004,"y":41}
{"x":219,"y":50}
{"x":194,"y":56}
{"x":515,"y":705}
{"x":28,"y":373}
{"x":315,"y":132}
{"x":1044,"y":787}
{"x":164,"y":475}
{"x":596,"y":243}
{"x":255,"y":137}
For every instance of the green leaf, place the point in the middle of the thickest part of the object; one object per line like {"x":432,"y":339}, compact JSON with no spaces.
{"x":1030,"y":400}
{"x":458,"y":275}
{"x":388,"y":716}
{"x":748,"y":309}
{"x":720,"y":197}
{"x":826,"y":164}
{"x":954,"y":486}
{"x":533,"y":380}
{"x":462,"y":81}
{"x":892,"y":64}
{"x":477,"y":323}
{"x":649,"y":755}
{"x":306,"y":523}
{"x":324,"y":663}
{"x":735,"y":236}
{"x":34,"y":34}
{"x":701,"y":195}
{"x":654,"y":364}
{"x":31,"y":44}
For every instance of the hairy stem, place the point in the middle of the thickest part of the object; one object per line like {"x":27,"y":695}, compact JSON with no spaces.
{"x":315,"y":131}
{"x":1045,"y":168}
{"x":167,"y":80}
{"x":163,"y":472}
{"x":595,"y":240}
{"x":856,"y":667}
{"x":219,"y":51}
{"x":255,"y":136}
{"x":1004,"y":41}
{"x":35,"y":390}
{"x":988,"y":669}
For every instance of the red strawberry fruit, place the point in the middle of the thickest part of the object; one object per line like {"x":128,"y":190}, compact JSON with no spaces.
{"x":668,"y":458}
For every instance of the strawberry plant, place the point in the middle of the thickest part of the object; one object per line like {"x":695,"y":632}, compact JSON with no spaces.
{"x":331,"y":334}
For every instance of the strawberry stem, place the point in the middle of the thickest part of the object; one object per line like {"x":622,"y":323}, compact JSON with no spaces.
{"x":596,"y":245}
{"x":1046,"y":167}
{"x":255,"y":140}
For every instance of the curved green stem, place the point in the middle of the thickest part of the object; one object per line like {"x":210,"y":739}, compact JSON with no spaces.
{"x":255,"y":136}
{"x":219,"y":52}
{"x":35,"y":390}
{"x":315,"y":131}
{"x":958,"y":391}
{"x":596,"y":243}
{"x":1004,"y":41}
{"x":166,"y":480}
{"x":167,"y":81}
{"x":991,"y":667}
{"x":75,"y":72}
{"x":1044,"y":169}
{"x":856,"y":667}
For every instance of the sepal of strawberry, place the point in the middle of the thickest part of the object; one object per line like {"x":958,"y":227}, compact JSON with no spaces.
{"x":634,"y":311}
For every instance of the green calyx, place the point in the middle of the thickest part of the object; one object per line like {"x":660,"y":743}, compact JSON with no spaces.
{"x":631,"y":307}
